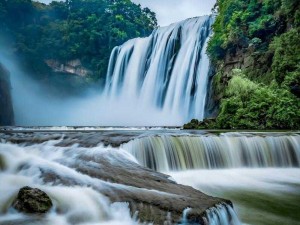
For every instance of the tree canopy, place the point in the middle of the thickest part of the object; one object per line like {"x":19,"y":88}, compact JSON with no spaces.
{"x":255,"y":50}
{"x":67,"y":30}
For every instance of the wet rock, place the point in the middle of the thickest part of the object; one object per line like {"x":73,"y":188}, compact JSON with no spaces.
{"x":152,"y":196}
{"x":73,"y":67}
{"x":32,"y":200}
{"x":6,"y":108}
{"x":2,"y":163}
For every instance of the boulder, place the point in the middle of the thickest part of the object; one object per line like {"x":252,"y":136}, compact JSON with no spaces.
{"x":32,"y":200}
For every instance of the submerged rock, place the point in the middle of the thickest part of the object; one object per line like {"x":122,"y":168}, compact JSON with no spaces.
{"x":32,"y":200}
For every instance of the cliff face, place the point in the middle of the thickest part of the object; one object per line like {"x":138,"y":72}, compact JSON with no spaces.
{"x":255,"y":52}
{"x":73,"y":67}
{"x":6,"y":108}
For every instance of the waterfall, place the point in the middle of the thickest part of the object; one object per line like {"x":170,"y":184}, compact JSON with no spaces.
{"x":222,"y":215}
{"x":164,"y":75}
{"x":79,"y":196}
{"x":173,"y":153}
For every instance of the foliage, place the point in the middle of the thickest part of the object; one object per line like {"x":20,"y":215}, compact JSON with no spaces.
{"x":239,"y":21}
{"x":265,"y":34}
{"x":251,"y":106}
{"x":286,"y":62}
{"x":196,"y":124}
{"x":84,"y":29}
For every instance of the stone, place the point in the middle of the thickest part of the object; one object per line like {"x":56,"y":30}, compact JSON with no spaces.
{"x":6,"y":106}
{"x":32,"y":200}
{"x":73,"y":67}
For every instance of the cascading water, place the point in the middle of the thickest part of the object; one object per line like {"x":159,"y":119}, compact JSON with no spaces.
{"x":160,"y":80}
{"x":77,"y":204}
{"x":173,"y":153}
{"x":259,"y":172}
{"x":164,"y":76}
{"x":83,"y":184}
{"x":222,"y":215}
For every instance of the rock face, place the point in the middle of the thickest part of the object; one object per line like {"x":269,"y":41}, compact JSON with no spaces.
{"x":32,"y":200}
{"x":6,"y":108}
{"x":73,"y":67}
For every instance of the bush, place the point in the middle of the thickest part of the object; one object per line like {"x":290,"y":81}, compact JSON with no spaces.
{"x":286,"y":61}
{"x":251,"y":106}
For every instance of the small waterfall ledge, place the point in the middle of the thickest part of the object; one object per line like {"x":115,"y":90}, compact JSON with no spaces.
{"x":229,"y":150}
{"x":220,"y":214}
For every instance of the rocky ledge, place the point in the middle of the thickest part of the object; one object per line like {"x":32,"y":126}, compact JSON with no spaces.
{"x":73,"y":67}
{"x":155,"y":197}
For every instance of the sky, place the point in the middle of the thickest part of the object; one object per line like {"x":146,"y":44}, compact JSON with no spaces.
{"x":170,"y":11}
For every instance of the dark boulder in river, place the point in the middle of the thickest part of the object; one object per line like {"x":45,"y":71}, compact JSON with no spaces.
{"x":6,"y":108}
{"x":32,"y":200}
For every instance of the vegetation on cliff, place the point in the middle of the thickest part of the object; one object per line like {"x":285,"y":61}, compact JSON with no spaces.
{"x":72,"y":29}
{"x":256,"y":52}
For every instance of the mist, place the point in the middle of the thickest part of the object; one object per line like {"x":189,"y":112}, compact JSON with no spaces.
{"x":34,"y":105}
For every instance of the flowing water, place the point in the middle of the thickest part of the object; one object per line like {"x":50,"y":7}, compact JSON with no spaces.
{"x":259,"y":172}
{"x":162,"y":77}
{"x":157,"y":80}
{"x":228,"y":150}
{"x":268,"y":196}
{"x":81,"y":204}
{"x":51,"y":162}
